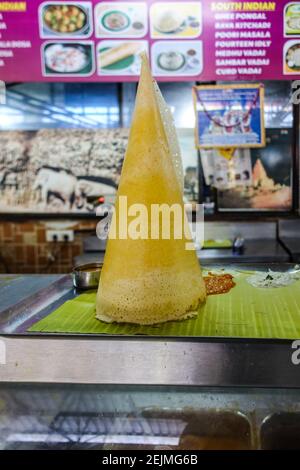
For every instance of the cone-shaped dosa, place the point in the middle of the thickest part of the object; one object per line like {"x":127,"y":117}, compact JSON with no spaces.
{"x":148,"y":277}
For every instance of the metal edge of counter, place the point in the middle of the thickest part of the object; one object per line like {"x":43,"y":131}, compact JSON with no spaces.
{"x":161,"y":361}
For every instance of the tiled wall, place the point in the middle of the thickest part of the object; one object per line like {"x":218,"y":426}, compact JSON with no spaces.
{"x":23,"y":247}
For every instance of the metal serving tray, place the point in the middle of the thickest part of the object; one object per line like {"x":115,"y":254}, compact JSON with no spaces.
{"x":27,"y":298}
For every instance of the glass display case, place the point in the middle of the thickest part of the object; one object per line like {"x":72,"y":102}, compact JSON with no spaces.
{"x":99,"y":417}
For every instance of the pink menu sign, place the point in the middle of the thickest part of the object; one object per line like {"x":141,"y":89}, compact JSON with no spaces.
{"x":100,"y":41}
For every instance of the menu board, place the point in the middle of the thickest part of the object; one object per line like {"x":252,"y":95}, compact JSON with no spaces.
{"x":186,"y":40}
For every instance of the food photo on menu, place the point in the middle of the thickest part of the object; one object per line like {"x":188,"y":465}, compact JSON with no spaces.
{"x":291,"y":57}
{"x":68,"y":58}
{"x":67,"y":19}
{"x":121,"y":19}
{"x":176,"y":20}
{"x":292,"y":19}
{"x":120,"y":57}
{"x":175,"y":58}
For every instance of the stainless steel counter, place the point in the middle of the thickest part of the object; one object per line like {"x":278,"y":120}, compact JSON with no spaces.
{"x":102,"y":359}
{"x":202,"y":362}
{"x":261,"y":244}
{"x":289,"y":235}
{"x":292,"y":246}
{"x":255,"y":251}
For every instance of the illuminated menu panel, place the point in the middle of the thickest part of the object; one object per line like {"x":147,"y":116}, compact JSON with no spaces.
{"x":186,"y":40}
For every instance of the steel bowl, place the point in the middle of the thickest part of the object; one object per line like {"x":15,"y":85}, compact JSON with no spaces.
{"x":87,"y":276}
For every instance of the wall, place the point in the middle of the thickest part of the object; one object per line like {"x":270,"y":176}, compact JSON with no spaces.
{"x":23,"y":247}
